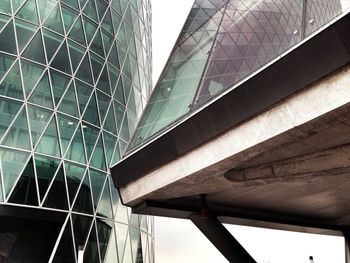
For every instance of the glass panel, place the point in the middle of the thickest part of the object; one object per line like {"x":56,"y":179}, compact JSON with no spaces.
{"x":54,"y":20}
{"x":7,"y":39}
{"x":81,"y":227}
{"x":97,"y":181}
{"x":84,"y":92}
{"x":90,"y":136}
{"x":90,"y":10}
{"x":69,"y":16}
{"x":136,"y":245}
{"x":49,"y":143}
{"x":61,"y":60}
{"x":76,"y":150}
{"x":8,"y":111}
{"x":42,"y":93}
{"x":28,"y":12}
{"x":35,"y":50}
{"x":83,"y":202}
{"x":103,"y":83}
{"x":45,"y":6}
{"x":111,"y":254}
{"x":97,"y":45}
{"x":84,"y":71}
{"x":104,"y":229}
{"x":59,"y":83}
{"x":103,"y":103}
{"x":74,"y":176}
{"x":11,"y":86}
{"x":52,"y":42}
{"x":90,"y":29}
{"x":122,"y":235}
{"x":67,"y":128}
{"x":24,"y":32}
{"x":65,"y":250}
{"x":76,"y":32}
{"x":76,"y":53}
{"x":18,"y":134}
{"x":31,"y":74}
{"x":69,"y":103}
{"x":105,"y":208}
{"x":25,"y":191}
{"x":91,"y":112}
{"x":38,"y":119}
{"x":57,"y":195}
{"x":110,"y":124}
{"x":45,"y":170}
{"x":91,"y":254}
{"x":110,"y":142}
{"x":98,"y":158}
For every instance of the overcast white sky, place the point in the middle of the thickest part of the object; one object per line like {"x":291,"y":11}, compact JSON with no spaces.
{"x":179,"y":241}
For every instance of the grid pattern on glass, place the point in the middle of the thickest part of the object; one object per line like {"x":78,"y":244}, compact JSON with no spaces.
{"x":74,"y":79}
{"x":236,"y":38}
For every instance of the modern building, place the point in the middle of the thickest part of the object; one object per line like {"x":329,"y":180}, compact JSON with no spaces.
{"x":249,"y":122}
{"x":74,"y":78}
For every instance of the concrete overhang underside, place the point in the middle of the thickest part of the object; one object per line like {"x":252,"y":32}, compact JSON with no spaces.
{"x":274,"y":152}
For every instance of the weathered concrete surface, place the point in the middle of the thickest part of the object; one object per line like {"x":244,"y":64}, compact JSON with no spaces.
{"x":293,"y":158}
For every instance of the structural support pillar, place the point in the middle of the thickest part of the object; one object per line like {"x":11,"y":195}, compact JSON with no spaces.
{"x":222,"y":239}
{"x":347,"y":246}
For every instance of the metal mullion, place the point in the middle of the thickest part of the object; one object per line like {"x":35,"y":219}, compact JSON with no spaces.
{"x":78,"y":190}
{"x":72,"y":235}
{"x":58,"y":240}
{"x":100,"y":197}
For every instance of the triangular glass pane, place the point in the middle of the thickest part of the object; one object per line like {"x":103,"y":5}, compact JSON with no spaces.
{"x":107,"y":41}
{"x":5,"y":7}
{"x":24,"y":32}
{"x":25,"y":191}
{"x":12,"y":164}
{"x":105,"y":206}
{"x":83,"y":201}
{"x":57,"y":195}
{"x":113,"y":57}
{"x":6,"y":62}
{"x":45,"y":6}
{"x":74,"y":176}
{"x":104,"y":229}
{"x":90,"y":137}
{"x":84,"y":93}
{"x":115,"y":198}
{"x":91,"y":112}
{"x":42,"y":93}
{"x":97,"y":180}
{"x":7,"y":39}
{"x":35,"y":50}
{"x":54,"y":20}
{"x":76,"y":53}
{"x":69,"y":17}
{"x":91,"y":254}
{"x":122,"y":235}
{"x":110,"y":142}
{"x":16,"y":4}
{"x":98,"y":157}
{"x":72,"y":3}
{"x":76,"y":150}
{"x":84,"y":71}
{"x":61,"y":60}
{"x":90,"y":10}
{"x":76,"y":32}
{"x":96,"y":44}
{"x":114,"y":75}
{"x":52,"y":42}
{"x":45,"y":170}
{"x":136,"y":245}
{"x":111,"y":253}
{"x":103,"y":103}
{"x":69,"y":103}
{"x":81,"y":228}
{"x":31,"y":73}
{"x":49,"y":143}
{"x":109,"y":123}
{"x":116,"y":156}
{"x":67,"y":128}
{"x":11,"y":86}
{"x":65,"y":251}
{"x":119,"y":93}
{"x":103,"y":82}
{"x":38,"y":118}
{"x":101,"y":7}
{"x":8,"y":111}
{"x":18,"y":133}
{"x":59,"y":83}
{"x":90,"y":29}
{"x":97,"y":64}
{"x":28,"y":12}
{"x":107,"y":22}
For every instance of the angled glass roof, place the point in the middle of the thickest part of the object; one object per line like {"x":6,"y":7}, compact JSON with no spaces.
{"x":222,"y":43}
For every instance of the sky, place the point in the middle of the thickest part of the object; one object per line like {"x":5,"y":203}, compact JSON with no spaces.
{"x":179,"y":241}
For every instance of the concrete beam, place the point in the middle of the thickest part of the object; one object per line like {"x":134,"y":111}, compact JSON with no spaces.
{"x":195,"y":172}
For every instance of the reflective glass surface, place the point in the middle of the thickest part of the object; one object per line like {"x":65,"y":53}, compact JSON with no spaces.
{"x":222,"y":43}
{"x":74,"y":79}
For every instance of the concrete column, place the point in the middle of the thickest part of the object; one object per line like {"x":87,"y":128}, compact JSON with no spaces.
{"x":218,"y":235}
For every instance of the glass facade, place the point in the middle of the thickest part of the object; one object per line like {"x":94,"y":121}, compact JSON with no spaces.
{"x":222,"y":43}
{"x":74,"y":79}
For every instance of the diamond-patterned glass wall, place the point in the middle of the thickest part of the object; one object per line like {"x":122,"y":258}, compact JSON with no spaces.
{"x":74,"y":78}
{"x":221,"y":43}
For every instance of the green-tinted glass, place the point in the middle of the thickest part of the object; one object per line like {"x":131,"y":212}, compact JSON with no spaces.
{"x":18,"y":134}
{"x":45,"y":6}
{"x":12,"y":163}
{"x":68,"y":103}
{"x":52,"y":42}
{"x":84,"y":71}
{"x":31,"y":73}
{"x":76,"y":53}
{"x":57,"y":194}
{"x":42,"y":93}
{"x":76,"y":32}
{"x":59,"y":83}
{"x":67,"y":128}
{"x":5,"y":6}
{"x":90,"y":28}
{"x":84,"y":93}
{"x":83,"y":201}
{"x":76,"y":150}
{"x":72,"y":3}
{"x":90,"y":10}
{"x":104,"y":229}
{"x":90,"y":137}
{"x":91,"y":254}
{"x":81,"y":228}
{"x":97,"y":181}
{"x":49,"y":143}
{"x":98,"y":157}
{"x":91,"y":112}
{"x":103,"y":82}
{"x":96,"y":44}
{"x":54,"y":20}
{"x":103,"y":104}
{"x":69,"y":16}
{"x":29,"y":12}
{"x":65,"y":250}
{"x":61,"y":60}
{"x":110,"y":142}
{"x":6,"y":62}
{"x":105,"y":206}
{"x":7,"y":39}
{"x":110,"y":124}
{"x":74,"y":176}
{"x":8,"y":111}
{"x":11,"y":85}
{"x":97,"y":64}
{"x":38,"y":118}
{"x":35,"y":49}
{"x":24,"y":32}
{"x":45,"y":169}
